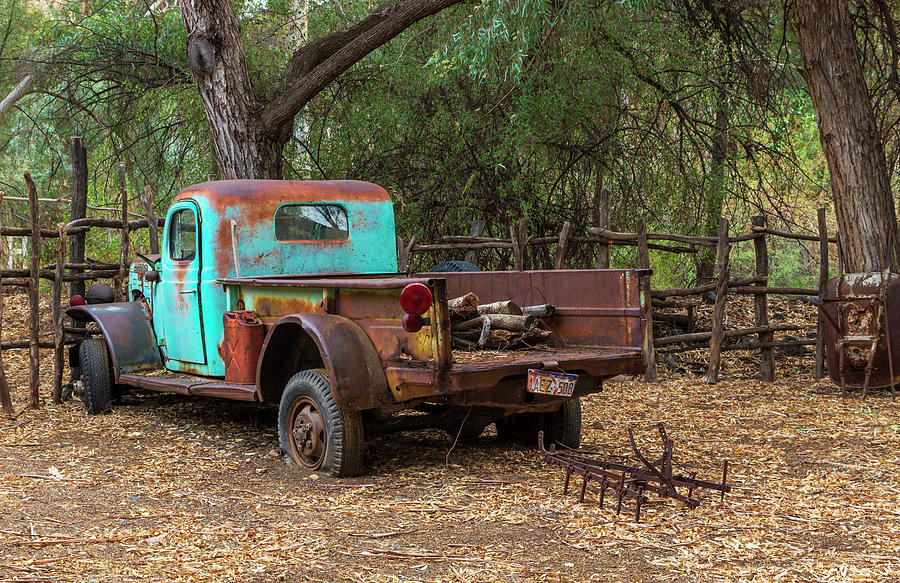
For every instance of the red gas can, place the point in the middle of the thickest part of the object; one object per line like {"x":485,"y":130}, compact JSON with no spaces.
{"x":244,"y":335}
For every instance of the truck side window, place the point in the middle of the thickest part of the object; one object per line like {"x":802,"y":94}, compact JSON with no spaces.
{"x":311,"y":222}
{"x":183,"y":236}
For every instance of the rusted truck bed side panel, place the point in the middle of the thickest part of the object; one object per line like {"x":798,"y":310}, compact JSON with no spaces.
{"x":593,"y":307}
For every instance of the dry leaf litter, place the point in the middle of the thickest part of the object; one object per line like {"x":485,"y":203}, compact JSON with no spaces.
{"x":175,"y":489}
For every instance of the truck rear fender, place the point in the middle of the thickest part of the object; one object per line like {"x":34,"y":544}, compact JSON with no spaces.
{"x":302,"y":341}
{"x":129,"y":335}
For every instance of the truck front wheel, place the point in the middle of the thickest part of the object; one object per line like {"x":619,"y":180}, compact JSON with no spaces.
{"x":314,"y":432}
{"x":561,"y":428}
{"x":96,"y":376}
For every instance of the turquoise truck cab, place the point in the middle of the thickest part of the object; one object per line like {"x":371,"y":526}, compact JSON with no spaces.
{"x":251,"y":228}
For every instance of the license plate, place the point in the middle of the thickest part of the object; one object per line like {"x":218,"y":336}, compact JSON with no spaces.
{"x":544,"y":382}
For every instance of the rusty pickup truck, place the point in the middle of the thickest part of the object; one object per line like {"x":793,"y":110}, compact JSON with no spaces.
{"x":287,"y":293}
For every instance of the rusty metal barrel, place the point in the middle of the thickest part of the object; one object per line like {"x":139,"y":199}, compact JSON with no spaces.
{"x":244,"y":334}
{"x":862,"y":331}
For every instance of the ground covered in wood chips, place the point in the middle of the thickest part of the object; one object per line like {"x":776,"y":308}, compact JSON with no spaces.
{"x":172,"y":488}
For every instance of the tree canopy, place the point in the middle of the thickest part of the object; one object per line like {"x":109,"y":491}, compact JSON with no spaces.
{"x":494,"y":110}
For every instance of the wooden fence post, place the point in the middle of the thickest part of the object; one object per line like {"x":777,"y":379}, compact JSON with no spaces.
{"x":718,"y":331}
{"x":652,"y":373}
{"x":59,"y":336}
{"x":603,"y":247}
{"x":122,"y":288}
{"x":78,"y":208}
{"x":562,"y":247}
{"x":147,"y":202}
{"x":519,"y":236}
{"x":823,"y":281}
{"x":475,"y":230}
{"x":761,"y":302}
{"x":5,"y":398}
{"x":34,"y":308}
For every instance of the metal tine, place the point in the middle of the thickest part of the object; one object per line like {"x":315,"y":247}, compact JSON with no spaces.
{"x":724,"y":478}
{"x":637,"y":506}
{"x":568,"y":475}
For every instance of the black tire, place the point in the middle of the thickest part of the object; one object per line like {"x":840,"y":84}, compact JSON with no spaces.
{"x":455,"y":266}
{"x":96,"y":376}
{"x":314,"y":432}
{"x":561,"y":428}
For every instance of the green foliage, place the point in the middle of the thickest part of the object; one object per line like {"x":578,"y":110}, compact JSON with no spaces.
{"x":497,"y":110}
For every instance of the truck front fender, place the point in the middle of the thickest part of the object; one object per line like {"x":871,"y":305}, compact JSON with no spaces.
{"x":128,"y":332}
{"x":302,"y":341}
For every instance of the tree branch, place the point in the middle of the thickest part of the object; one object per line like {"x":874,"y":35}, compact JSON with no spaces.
{"x":319,"y":63}
{"x":24,"y":87}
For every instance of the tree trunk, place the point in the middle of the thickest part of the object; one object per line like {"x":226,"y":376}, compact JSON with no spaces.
{"x":242,"y":146}
{"x":849,"y":135}
{"x":249,"y":135}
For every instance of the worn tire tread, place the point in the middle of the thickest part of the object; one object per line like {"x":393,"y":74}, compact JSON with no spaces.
{"x":345,"y":446}
{"x":96,"y":375}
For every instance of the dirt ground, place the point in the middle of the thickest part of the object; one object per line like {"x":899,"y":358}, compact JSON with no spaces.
{"x":179,"y":489}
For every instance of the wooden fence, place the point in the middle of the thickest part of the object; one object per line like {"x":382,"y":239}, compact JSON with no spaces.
{"x":724,"y":285}
{"x":69,"y":237}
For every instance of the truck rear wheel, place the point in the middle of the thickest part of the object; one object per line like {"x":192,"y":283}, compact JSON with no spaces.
{"x":314,"y":432}
{"x":96,"y":376}
{"x":561,"y":428}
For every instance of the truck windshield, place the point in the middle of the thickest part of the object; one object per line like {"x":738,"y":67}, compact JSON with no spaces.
{"x":311,"y":222}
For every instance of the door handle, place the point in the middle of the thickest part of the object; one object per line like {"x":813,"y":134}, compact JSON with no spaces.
{"x":189,"y":291}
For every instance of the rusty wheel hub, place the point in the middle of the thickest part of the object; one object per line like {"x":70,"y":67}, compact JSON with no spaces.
{"x":307,"y":433}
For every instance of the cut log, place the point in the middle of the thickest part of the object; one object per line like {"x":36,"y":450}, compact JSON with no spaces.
{"x":467,"y":324}
{"x":541,"y":311}
{"x":537,"y":336}
{"x":510,"y":322}
{"x":505,"y":307}
{"x":500,"y":339}
{"x":463,"y":307}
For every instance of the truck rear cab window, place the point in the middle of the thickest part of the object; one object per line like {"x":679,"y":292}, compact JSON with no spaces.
{"x":183,"y":236}
{"x":311,"y":222}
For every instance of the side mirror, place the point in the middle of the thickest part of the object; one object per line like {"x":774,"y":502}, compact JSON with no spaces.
{"x":152,"y":276}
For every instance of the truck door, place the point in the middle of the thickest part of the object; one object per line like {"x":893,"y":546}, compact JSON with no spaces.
{"x":179,"y":287}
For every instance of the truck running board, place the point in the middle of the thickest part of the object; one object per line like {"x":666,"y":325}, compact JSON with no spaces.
{"x":631,"y":481}
{"x":183,"y":384}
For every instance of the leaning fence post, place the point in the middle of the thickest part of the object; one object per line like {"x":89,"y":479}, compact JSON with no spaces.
{"x":5,"y":399}
{"x":59,"y":336}
{"x":761,"y":302}
{"x":475,"y":230}
{"x":34,"y":355}
{"x":121,"y":289}
{"x":823,"y":282}
{"x":562,"y":247}
{"x":652,"y":373}
{"x":718,"y":331}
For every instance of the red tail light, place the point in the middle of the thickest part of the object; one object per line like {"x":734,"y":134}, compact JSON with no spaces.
{"x":415,"y":299}
{"x":77,"y":300}
{"x":412,"y":322}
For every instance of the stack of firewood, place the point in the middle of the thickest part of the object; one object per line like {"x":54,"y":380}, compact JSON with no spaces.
{"x":498,"y":325}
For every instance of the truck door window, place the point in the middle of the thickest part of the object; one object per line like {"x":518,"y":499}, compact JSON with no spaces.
{"x":311,"y":222}
{"x":183,"y":236}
